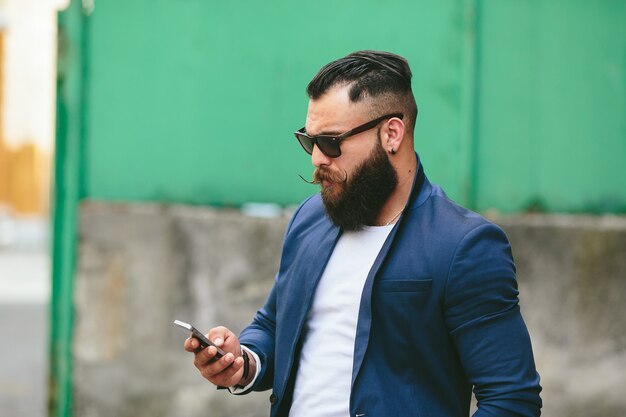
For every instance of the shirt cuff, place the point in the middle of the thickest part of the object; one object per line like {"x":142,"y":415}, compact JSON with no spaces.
{"x":240,"y":390}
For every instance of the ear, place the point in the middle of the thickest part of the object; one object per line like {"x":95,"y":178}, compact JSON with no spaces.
{"x":394,"y":133}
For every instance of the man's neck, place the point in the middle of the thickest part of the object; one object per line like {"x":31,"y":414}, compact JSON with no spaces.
{"x":397,"y":201}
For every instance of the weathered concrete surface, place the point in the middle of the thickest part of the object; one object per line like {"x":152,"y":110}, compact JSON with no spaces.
{"x":142,"y":266}
{"x":572,"y":278}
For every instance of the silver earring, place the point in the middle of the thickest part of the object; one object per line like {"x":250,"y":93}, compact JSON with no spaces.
{"x":392,"y":151}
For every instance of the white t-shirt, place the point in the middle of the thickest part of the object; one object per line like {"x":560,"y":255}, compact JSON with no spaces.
{"x":323,"y":380}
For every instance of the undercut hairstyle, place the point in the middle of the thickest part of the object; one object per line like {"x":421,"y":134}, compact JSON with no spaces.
{"x":382,"y":78}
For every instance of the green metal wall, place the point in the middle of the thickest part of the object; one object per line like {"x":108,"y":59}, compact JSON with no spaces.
{"x":551,"y":113}
{"x":522,"y":103}
{"x":196,"y":101}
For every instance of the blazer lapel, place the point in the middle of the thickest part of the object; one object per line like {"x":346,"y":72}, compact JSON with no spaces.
{"x":299,"y":289}
{"x":365,"y":308}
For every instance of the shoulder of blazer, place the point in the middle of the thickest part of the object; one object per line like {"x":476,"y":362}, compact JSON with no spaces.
{"x":310,"y":214}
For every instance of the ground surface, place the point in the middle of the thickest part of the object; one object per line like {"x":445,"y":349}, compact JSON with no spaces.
{"x":24,"y":300}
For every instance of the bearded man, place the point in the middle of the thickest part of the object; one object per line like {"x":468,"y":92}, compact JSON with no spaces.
{"x":390,"y":300}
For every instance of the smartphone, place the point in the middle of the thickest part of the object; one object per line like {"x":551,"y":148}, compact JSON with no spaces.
{"x":204,"y":342}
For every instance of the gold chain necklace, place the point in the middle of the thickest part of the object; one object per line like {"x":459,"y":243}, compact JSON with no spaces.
{"x":394,"y":217}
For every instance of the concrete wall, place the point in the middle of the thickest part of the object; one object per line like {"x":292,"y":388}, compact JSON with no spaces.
{"x":142,"y":266}
{"x":572,"y":277}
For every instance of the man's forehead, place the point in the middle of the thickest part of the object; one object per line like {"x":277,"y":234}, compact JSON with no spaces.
{"x":333,"y":112}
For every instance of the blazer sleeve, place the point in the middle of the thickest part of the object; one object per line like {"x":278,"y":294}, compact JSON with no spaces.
{"x":260,"y":336}
{"x":483,"y":317}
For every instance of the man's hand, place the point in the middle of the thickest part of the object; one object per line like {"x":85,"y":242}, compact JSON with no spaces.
{"x":226,"y":371}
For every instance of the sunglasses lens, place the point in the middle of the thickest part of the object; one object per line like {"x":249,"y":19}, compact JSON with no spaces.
{"x":307,"y":144}
{"x":328,"y":146}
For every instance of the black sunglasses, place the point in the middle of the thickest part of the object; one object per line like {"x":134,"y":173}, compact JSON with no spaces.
{"x":328,"y":144}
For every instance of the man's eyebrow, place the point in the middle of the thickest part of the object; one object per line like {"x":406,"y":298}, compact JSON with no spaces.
{"x":327,"y":133}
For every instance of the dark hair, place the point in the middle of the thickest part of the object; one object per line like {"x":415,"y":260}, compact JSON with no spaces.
{"x":373,"y":74}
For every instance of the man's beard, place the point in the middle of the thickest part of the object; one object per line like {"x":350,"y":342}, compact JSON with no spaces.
{"x":362,"y":196}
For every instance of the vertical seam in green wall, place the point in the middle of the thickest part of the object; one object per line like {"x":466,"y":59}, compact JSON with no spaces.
{"x":467,"y":113}
{"x":85,"y":61}
{"x":472,"y":194}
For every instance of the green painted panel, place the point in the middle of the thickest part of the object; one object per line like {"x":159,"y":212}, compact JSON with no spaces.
{"x":195,"y":101}
{"x":552,"y":99}
{"x":67,"y":191}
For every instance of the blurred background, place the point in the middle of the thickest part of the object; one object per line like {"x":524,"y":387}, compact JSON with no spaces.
{"x":28,"y":39}
{"x":148,"y":170}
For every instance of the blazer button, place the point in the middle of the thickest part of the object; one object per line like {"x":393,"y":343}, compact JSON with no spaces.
{"x":273,"y":399}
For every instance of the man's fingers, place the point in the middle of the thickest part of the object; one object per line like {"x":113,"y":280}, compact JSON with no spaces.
{"x":229,"y":376}
{"x":209,"y":366}
{"x":191,"y":344}
{"x":208,"y":357}
{"x":219,"y":334}
{"x":224,"y":371}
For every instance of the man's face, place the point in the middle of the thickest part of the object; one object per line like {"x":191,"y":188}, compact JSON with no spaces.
{"x":355,"y":185}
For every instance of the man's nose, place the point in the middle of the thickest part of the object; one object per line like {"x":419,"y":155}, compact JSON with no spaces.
{"x":318,"y":158}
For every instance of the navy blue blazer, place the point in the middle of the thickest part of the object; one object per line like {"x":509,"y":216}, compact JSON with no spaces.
{"x":439,"y":315}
